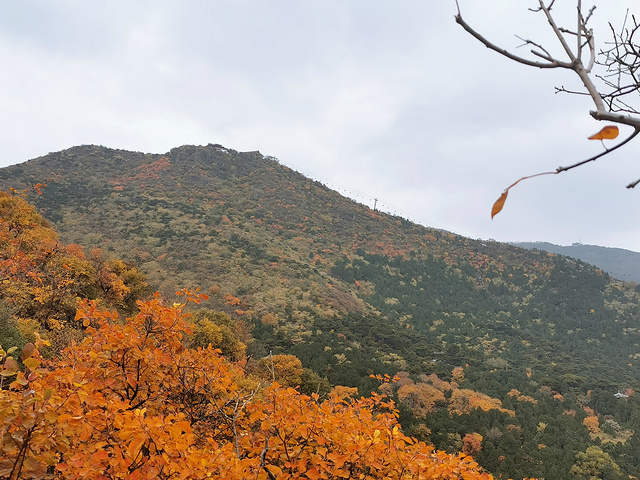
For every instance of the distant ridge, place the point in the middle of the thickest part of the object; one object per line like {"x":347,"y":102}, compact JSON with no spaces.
{"x":619,"y":263}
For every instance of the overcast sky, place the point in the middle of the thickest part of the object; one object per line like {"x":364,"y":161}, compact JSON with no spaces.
{"x":386,"y":99}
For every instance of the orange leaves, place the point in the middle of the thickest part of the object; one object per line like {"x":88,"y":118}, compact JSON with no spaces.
{"x":231,"y":300}
{"x":193,"y":295}
{"x":43,"y":278}
{"x":592,"y":424}
{"x":607,"y":133}
{"x":497,"y":206}
{"x":472,"y":443}
{"x":130,"y":401}
{"x":338,"y":439}
{"x":521,"y":398}
{"x":27,"y":430}
{"x":421,"y":398}
{"x":38,"y":187}
{"x":9,"y":368}
{"x":124,"y":389}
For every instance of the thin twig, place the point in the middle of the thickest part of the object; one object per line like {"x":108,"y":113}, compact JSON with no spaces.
{"x":552,"y":63}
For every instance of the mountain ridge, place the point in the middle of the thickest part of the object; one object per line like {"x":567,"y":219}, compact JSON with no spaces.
{"x":620,"y":263}
{"x":153,"y":174}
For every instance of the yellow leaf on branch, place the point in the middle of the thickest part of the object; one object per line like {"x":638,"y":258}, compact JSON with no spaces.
{"x":607,"y":133}
{"x":499,"y":204}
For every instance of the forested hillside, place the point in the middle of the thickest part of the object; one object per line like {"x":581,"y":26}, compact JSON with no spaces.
{"x":513,"y":356}
{"x":88,"y":394}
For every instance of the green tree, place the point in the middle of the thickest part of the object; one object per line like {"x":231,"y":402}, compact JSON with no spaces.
{"x":594,"y":464}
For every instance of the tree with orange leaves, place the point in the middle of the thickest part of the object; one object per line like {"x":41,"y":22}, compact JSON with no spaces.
{"x":131,"y":402}
{"x":421,"y":398}
{"x":592,"y":423}
{"x":471,"y":443}
{"x":42,"y":278}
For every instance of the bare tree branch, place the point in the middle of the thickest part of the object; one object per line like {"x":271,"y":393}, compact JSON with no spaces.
{"x":540,"y":8}
{"x":633,"y":184}
{"x":552,"y":63}
{"x":581,"y":25}
{"x":558,"y":33}
{"x":263,"y":456}
{"x":537,"y":45}
{"x":617,"y":118}
{"x":621,"y":60}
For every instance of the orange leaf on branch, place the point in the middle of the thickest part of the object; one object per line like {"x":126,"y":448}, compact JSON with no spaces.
{"x":607,"y":133}
{"x":499,"y":204}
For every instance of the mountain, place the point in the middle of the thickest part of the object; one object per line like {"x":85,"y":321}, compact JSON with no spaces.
{"x":617,"y":262}
{"x":524,"y":348}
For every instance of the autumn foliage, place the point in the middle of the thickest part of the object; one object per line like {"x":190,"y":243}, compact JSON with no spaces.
{"x":472,"y":443}
{"x":592,"y":423}
{"x":131,"y":402}
{"x":42,"y":278}
{"x":608,"y":132}
{"x":428,"y":394}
